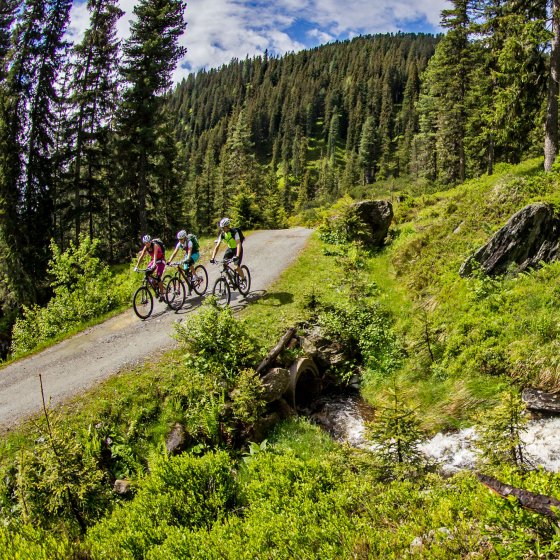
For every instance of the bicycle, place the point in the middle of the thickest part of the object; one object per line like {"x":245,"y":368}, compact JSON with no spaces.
{"x":143,"y":300}
{"x":229,"y":278}
{"x":176,"y":293}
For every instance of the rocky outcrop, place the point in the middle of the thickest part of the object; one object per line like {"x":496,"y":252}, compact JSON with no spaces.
{"x":541,"y":401}
{"x":528,"y":238}
{"x":326,"y":352}
{"x":377,"y":216}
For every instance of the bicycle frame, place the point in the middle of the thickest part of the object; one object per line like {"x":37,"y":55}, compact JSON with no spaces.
{"x":182,"y":273}
{"x":150,"y":281}
{"x":229,"y":272}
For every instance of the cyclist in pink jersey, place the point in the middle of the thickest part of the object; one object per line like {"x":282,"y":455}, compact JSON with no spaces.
{"x":157,"y":262}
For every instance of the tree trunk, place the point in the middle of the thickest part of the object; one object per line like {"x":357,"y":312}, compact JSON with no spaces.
{"x":551,"y":123}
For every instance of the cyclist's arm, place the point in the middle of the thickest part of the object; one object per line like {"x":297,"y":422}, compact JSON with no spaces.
{"x":216,"y":245}
{"x":142,"y":253}
{"x":238,"y":248}
{"x":173,"y":255}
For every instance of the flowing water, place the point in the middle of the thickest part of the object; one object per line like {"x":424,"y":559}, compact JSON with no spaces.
{"x":344,"y":417}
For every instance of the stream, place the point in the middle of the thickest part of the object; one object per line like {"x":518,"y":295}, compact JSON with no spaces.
{"x":345,"y":417}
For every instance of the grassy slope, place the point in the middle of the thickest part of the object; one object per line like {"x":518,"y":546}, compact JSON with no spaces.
{"x":482,"y":335}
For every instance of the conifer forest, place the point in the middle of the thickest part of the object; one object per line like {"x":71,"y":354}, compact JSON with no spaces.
{"x":97,"y":141}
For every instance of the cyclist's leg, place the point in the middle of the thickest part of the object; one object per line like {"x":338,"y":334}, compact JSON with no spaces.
{"x":190,"y":262}
{"x":159,"y":268}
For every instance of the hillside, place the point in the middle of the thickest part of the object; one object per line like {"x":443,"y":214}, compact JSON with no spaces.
{"x":431,"y":347}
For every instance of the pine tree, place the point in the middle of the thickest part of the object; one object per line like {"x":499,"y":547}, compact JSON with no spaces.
{"x":551,"y":119}
{"x":93,"y":100}
{"x":367,"y":153}
{"x":396,"y":431}
{"x":500,"y":433}
{"x":150,"y":55}
{"x":37,"y":156}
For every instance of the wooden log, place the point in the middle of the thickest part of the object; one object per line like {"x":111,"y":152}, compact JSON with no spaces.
{"x":535,"y":399}
{"x":271,"y":356}
{"x":538,"y":503}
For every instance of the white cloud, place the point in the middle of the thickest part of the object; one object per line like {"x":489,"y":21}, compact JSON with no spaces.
{"x":219,"y":30}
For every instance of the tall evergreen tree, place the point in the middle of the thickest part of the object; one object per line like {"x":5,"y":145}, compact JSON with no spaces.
{"x":367,"y":156}
{"x":446,"y":80}
{"x":93,"y":100}
{"x":150,"y":55}
{"x":551,"y":118}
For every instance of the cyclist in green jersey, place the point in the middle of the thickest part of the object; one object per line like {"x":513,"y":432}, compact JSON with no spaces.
{"x":233,"y":238}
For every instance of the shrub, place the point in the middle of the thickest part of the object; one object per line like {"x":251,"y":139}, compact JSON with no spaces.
{"x":217,"y":343}
{"x":84,"y":289}
{"x":182,"y":491}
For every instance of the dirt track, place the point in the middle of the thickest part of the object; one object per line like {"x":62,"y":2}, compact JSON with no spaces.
{"x":78,"y":363}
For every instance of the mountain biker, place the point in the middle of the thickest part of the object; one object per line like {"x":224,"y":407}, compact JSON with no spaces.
{"x":157,"y":263}
{"x":189,"y":244}
{"x":234,"y":241}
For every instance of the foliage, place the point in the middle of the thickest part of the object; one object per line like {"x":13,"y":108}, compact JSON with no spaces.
{"x":344,"y":226}
{"x":500,"y":433}
{"x":217,"y":343}
{"x":365,"y":331}
{"x":182,"y":491}
{"x":59,"y":481}
{"x":396,"y":433}
{"x":84,"y":289}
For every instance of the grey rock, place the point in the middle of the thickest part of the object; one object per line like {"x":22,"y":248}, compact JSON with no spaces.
{"x":275,"y":383}
{"x":541,"y":401}
{"x":175,"y":440}
{"x":529,"y":237}
{"x":377,"y":215}
{"x":121,"y":487}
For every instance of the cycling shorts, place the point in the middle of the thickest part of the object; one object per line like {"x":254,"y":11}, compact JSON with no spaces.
{"x":230,"y":253}
{"x":158,"y":267}
{"x":188,"y":261}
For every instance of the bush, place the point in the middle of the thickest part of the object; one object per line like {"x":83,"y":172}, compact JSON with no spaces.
{"x":84,"y":289}
{"x":182,"y":491}
{"x":217,"y":343}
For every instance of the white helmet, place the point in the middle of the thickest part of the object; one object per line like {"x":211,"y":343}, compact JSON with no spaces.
{"x":224,"y":222}
{"x":181,"y":234}
{"x":146,"y":239}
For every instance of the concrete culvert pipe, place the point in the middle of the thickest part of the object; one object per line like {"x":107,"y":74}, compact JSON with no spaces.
{"x":305,"y":383}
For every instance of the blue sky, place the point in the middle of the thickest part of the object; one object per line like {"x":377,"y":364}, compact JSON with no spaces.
{"x":219,"y":30}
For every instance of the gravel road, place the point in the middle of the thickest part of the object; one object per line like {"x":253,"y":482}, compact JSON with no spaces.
{"x":87,"y":358}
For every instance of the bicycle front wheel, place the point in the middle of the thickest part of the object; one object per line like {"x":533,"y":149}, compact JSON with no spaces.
{"x":175,"y":294}
{"x":200,"y":280}
{"x":143,"y":302}
{"x":244,"y":284}
{"x":222,"y":292}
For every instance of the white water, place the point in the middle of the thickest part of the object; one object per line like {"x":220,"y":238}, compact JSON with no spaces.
{"x":343,"y":418}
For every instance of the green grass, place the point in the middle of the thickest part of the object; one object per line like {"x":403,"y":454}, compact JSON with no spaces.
{"x":301,"y":494}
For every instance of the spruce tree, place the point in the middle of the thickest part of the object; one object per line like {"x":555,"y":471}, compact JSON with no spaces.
{"x":93,"y":102}
{"x":150,"y":56}
{"x":551,"y":118}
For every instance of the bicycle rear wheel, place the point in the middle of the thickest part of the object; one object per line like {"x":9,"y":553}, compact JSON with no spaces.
{"x":200,"y":280}
{"x":143,"y":302}
{"x":221,"y":291}
{"x":175,"y":294}
{"x":243,"y":284}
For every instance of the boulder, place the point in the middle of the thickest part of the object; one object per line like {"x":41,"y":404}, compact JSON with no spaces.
{"x":377,"y":215}
{"x":275,"y":383}
{"x":529,"y":237}
{"x":325,"y":352}
{"x":122,"y":487}
{"x":541,"y":401}
{"x":175,"y":440}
